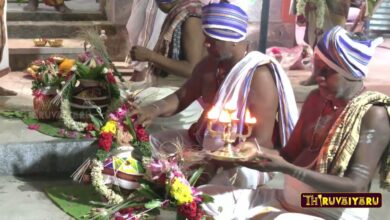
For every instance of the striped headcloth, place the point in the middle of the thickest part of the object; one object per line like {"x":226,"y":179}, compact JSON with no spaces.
{"x":345,"y":55}
{"x":224,"y":21}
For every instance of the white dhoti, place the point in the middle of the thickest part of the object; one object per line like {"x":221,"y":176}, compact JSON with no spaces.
{"x":182,"y":120}
{"x":264,"y":203}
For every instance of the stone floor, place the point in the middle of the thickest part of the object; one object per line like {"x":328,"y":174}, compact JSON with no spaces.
{"x":27,"y":195}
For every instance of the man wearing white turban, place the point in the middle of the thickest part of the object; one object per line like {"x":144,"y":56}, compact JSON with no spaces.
{"x":249,"y":80}
{"x":340,"y":138}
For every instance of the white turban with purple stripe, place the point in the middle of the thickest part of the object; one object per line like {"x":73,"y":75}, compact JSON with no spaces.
{"x":347,"y":56}
{"x":224,"y":21}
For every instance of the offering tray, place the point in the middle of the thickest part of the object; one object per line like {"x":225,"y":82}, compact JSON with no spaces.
{"x":226,"y":154}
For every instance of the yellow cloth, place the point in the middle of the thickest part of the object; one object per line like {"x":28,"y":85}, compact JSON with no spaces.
{"x":343,"y":138}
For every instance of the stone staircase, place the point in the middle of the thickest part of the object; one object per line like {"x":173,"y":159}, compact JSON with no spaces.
{"x":380,"y":22}
{"x":27,"y":152}
{"x":24,"y":26}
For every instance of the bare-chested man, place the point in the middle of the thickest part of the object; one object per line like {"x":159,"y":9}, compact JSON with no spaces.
{"x":336,"y":146}
{"x":178,"y":50}
{"x":226,"y":69}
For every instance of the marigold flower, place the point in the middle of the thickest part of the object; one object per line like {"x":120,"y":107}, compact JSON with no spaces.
{"x":66,"y":65}
{"x":110,"y":127}
{"x":181,"y":192}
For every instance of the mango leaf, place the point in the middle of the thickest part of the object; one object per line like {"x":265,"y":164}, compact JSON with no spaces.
{"x":194,"y":178}
{"x":115,"y":93}
{"x":13,"y":114}
{"x":95,"y":72}
{"x":130,"y":126}
{"x":206,"y":198}
{"x":153,"y":204}
{"x":98,"y":123}
{"x":83,"y":70}
{"x":146,"y":191}
{"x":101,"y":155}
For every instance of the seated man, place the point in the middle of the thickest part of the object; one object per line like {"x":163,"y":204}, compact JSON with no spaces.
{"x":230,"y":74}
{"x":59,"y":5}
{"x":178,"y":49}
{"x":339,"y":140}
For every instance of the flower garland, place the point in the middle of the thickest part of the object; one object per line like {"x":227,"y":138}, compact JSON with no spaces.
{"x":319,"y":7}
{"x":98,"y":184}
{"x":118,"y":130}
{"x":66,"y":116}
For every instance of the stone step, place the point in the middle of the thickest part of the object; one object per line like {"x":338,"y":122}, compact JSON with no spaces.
{"x":49,"y":157}
{"x":28,"y":152}
{"x":56,"y":29}
{"x":20,"y":15}
{"x":23,"y":51}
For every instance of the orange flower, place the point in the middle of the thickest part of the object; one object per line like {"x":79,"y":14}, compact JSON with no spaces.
{"x":66,"y":65}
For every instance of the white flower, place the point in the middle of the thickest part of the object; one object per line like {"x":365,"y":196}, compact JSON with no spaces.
{"x":105,"y":70}
{"x":98,"y":183}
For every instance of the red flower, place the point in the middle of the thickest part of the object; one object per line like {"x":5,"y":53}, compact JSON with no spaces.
{"x":190,"y":211}
{"x":90,"y":127}
{"x":105,"y":141}
{"x":111,"y":78}
{"x":141,"y":133}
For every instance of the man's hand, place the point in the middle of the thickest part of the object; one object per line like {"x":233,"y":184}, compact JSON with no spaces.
{"x":145,"y":115}
{"x":261,"y":158}
{"x":139,"y":53}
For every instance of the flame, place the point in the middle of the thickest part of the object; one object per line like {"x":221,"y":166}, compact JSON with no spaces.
{"x":225,"y":117}
{"x":249,"y":119}
{"x":230,"y":106}
{"x":213,"y":113}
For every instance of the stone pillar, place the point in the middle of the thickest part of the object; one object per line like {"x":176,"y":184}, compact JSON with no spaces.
{"x":118,"y":11}
{"x":281,"y":31}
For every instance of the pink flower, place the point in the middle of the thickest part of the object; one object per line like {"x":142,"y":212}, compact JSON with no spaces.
{"x":113,"y":116}
{"x":121,"y":113}
{"x":34,"y":127}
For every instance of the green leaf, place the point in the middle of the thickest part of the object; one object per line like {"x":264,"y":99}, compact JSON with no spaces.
{"x":95,"y":72}
{"x":83,"y":70}
{"x":115,"y":93}
{"x":194,"y":178}
{"x":130,"y":126}
{"x":101,"y":155}
{"x":98,"y":123}
{"x":206,"y":198}
{"x":94,"y":133}
{"x":13,"y":114}
{"x":153,"y":204}
{"x":146,"y":191}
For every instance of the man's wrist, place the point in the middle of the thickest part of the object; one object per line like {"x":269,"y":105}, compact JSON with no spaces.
{"x":151,"y":57}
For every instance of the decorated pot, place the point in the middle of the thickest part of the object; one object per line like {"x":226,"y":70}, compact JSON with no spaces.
{"x":122,"y":170}
{"x":89,"y":97}
{"x":43,"y":104}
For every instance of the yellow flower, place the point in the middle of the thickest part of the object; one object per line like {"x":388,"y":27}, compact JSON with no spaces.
{"x":66,"y":65}
{"x":110,"y":126}
{"x":181,"y":192}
